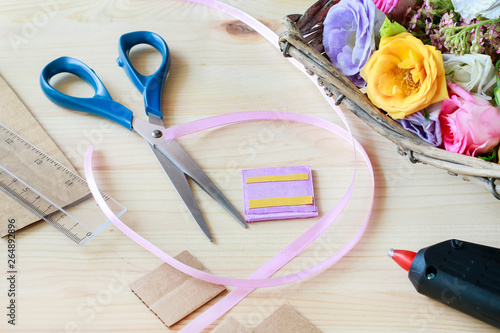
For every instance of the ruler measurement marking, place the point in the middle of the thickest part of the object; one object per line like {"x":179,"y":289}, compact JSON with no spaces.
{"x":13,"y":145}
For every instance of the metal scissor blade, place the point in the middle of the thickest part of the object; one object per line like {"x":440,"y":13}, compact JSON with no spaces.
{"x":182,"y":159}
{"x":178,"y":179}
{"x":177,"y":155}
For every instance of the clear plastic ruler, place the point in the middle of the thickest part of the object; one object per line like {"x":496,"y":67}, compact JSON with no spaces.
{"x":49,"y":189}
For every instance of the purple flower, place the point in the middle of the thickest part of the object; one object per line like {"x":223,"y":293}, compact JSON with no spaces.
{"x":428,"y":130}
{"x":349,"y":35}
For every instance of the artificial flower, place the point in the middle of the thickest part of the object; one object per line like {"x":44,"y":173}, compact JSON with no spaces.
{"x":470,"y":125}
{"x":396,"y":8}
{"x":425,"y":124}
{"x":386,"y":6}
{"x":486,"y":8}
{"x":473,"y":72}
{"x":436,"y":23}
{"x":404,"y":76}
{"x":349,"y":35}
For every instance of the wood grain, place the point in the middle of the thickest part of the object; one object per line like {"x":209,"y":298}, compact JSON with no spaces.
{"x":215,"y":70}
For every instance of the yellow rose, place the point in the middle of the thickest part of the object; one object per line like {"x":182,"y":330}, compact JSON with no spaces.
{"x":404,"y":76}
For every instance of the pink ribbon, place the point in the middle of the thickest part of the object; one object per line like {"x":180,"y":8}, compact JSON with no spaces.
{"x":261,"y":277}
{"x":285,"y":255}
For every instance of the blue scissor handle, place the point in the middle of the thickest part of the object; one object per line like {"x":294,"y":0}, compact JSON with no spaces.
{"x":101,"y":104}
{"x":150,"y":86}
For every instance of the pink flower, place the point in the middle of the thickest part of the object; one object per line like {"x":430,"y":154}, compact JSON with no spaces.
{"x":470,"y":125}
{"x":386,"y":5}
{"x":397,"y":8}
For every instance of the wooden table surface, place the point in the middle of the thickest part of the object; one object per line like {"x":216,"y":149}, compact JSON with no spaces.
{"x":219,"y":66}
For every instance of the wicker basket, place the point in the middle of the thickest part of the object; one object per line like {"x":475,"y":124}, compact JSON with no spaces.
{"x":302,"y":40}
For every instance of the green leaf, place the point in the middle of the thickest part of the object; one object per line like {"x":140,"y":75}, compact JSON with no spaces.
{"x":496,"y":92}
{"x":389,"y":28}
{"x":450,"y":73}
{"x":426,"y":115}
{"x":492,"y":156}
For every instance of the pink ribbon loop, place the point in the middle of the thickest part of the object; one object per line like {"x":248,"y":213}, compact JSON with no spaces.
{"x":261,"y":277}
{"x":286,"y":254}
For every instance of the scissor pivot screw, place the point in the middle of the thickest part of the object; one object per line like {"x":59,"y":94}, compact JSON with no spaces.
{"x":157,"y":134}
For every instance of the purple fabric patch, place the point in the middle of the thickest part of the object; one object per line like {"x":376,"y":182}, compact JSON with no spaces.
{"x":278,"y":189}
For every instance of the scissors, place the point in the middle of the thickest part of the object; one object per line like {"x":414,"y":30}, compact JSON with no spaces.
{"x":174,"y":160}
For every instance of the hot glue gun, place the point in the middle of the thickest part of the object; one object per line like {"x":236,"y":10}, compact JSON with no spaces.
{"x":463,"y":275}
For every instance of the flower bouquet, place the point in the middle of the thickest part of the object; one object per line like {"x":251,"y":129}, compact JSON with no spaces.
{"x":422,"y":73}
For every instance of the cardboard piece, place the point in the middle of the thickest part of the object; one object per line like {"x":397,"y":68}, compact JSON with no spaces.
{"x":15,"y":115}
{"x":286,"y":320}
{"x":170,"y":294}
{"x":278,"y":193}
{"x":230,"y":325}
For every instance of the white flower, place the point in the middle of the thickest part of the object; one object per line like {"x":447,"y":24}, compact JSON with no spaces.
{"x":469,"y":9}
{"x":473,"y":72}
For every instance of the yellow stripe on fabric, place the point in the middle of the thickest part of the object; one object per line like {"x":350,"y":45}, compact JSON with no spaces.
{"x":278,"y":178}
{"x":283,"y":201}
